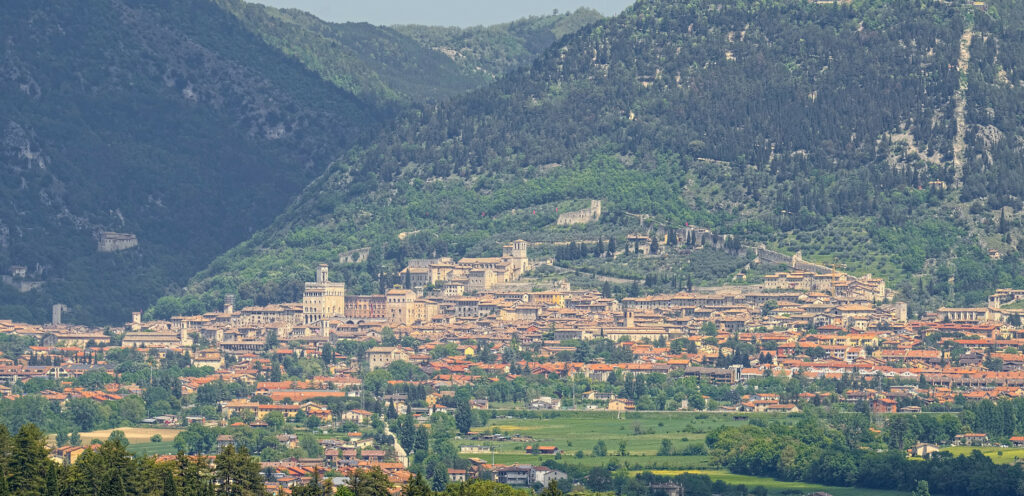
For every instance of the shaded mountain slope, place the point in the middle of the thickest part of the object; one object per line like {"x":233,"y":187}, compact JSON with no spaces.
{"x":168,"y":120}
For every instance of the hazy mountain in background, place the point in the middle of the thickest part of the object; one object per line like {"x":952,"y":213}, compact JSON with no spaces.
{"x":883,"y":135}
{"x":402,"y":64}
{"x":491,"y":51}
{"x":376,"y":63}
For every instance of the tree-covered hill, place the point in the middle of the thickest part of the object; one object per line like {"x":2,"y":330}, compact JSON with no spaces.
{"x":492,"y":51}
{"x":165,"y":119}
{"x":391,"y":66}
{"x":892,"y":127}
{"x":378,"y":64}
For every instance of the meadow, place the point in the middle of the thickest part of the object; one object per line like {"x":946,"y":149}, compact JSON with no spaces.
{"x":573,"y":431}
{"x":580,"y":431}
{"x":997,"y":454}
{"x":781,"y":487}
{"x":139,"y":439}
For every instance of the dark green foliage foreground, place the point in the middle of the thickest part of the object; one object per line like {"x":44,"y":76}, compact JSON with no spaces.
{"x":110,"y":470}
{"x":777,"y":121}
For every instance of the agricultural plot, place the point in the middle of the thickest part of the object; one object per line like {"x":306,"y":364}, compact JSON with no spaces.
{"x":781,"y":487}
{"x":997,"y":454}
{"x":576,"y":434}
{"x":139,"y":439}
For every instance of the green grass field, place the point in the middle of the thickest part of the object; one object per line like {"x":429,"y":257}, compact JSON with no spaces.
{"x":581,"y":431}
{"x":642,"y":432}
{"x":998,"y":455}
{"x":649,"y":462}
{"x":779,"y":487}
{"x":150,"y":449}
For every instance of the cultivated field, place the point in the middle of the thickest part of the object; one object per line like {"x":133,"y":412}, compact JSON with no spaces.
{"x":572,"y":431}
{"x":642,"y":432}
{"x":780,"y":487}
{"x":998,"y":455}
{"x":135,"y":435}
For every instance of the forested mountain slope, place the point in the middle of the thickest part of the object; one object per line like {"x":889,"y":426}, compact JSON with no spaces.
{"x":492,"y":51}
{"x":785,"y":122}
{"x":378,"y":64}
{"x":167,"y":120}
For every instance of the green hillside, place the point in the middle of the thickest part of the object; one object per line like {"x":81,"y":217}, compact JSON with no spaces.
{"x":378,"y":64}
{"x":167,"y":120}
{"x":784,"y":122}
{"x":391,"y":66}
{"x":492,"y":51}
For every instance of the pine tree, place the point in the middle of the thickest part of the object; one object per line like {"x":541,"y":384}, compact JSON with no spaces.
{"x":552,"y":489}
{"x":52,"y":484}
{"x":422,"y":443}
{"x":29,"y":462}
{"x":316,"y":487}
{"x":417,"y":486}
{"x":170,"y":484}
{"x":463,"y":415}
{"x":193,"y":476}
{"x":237,"y":474}
{"x":369,"y":483}
{"x":328,"y":354}
{"x":922,"y":489}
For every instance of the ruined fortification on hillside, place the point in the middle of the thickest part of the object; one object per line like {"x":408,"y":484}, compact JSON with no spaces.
{"x":112,"y":241}
{"x":585,"y":216}
{"x":358,"y":255}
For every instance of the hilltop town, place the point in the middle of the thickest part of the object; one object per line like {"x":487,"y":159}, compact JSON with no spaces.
{"x":371,"y":370}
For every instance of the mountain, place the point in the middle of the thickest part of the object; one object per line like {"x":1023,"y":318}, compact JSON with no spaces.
{"x":882,"y":135}
{"x":378,"y":64}
{"x":392,"y":66}
{"x":168,"y":120}
{"x":491,"y":51}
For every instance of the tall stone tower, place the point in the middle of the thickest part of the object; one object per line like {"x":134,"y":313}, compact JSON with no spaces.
{"x":56,"y":314}
{"x":323,"y":299}
{"x":515,"y":252}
